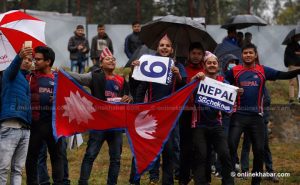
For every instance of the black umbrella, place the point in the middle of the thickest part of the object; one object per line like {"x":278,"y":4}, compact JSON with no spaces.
{"x":228,"y":48}
{"x":138,"y":53}
{"x":243,"y":21}
{"x":181,"y":30}
{"x":291,"y":34}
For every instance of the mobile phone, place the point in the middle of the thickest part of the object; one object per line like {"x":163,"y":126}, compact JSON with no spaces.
{"x":28,"y":44}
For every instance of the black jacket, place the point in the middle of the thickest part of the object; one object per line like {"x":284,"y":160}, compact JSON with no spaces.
{"x":98,"y":85}
{"x":74,"y":41}
{"x":290,"y":58}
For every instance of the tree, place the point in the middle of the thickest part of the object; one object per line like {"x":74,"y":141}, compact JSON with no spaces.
{"x":291,"y":13}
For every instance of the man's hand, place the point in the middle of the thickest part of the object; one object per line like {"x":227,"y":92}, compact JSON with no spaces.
{"x":240,"y":91}
{"x":199,"y":76}
{"x":135,"y":63}
{"x":176,"y":72}
{"x":126,"y":99}
{"x":80,"y":47}
{"x":25,"y":52}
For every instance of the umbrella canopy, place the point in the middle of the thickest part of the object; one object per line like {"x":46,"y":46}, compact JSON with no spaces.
{"x":17,"y":27}
{"x":228,"y":48}
{"x":138,"y":53}
{"x":181,"y":30}
{"x":244,"y":21}
{"x":291,"y":34}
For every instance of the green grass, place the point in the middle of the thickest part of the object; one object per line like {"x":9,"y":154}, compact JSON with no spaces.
{"x":285,"y":159}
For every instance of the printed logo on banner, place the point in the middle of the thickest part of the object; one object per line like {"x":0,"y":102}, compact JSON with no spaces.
{"x":154,"y":69}
{"x":216,"y":94}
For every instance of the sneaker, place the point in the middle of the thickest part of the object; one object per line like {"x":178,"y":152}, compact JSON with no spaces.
{"x":237,"y":167}
{"x":213,"y":169}
{"x":153,"y":182}
{"x":218,"y":175}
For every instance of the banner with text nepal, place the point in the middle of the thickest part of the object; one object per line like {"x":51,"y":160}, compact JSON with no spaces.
{"x":147,"y":125}
{"x":154,"y":69}
{"x":216,"y":94}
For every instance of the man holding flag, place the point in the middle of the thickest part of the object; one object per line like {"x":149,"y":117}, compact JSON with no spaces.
{"x":41,"y":86}
{"x":107,"y":86}
{"x":157,"y":91}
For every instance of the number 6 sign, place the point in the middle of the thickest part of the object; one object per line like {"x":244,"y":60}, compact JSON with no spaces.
{"x":154,"y":69}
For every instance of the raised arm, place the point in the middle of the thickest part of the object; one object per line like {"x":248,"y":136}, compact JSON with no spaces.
{"x":82,"y":79}
{"x":15,"y":65}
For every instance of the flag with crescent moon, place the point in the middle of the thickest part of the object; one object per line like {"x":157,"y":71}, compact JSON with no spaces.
{"x":147,"y":125}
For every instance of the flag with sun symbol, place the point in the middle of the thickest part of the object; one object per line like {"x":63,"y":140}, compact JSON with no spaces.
{"x":147,"y":125}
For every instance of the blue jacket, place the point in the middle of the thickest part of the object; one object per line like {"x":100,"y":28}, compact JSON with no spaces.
{"x":15,"y":93}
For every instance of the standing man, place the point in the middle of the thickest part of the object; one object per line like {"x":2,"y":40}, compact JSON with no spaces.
{"x":209,"y":132}
{"x":194,"y":66}
{"x":248,"y":117}
{"x":107,"y":86}
{"x":292,"y":61}
{"x":15,"y":118}
{"x":248,"y":38}
{"x":240,"y":38}
{"x":99,"y":42}
{"x":41,"y":85}
{"x":156,"y":92}
{"x":78,"y":47}
{"x":132,"y":41}
{"x":231,"y":36}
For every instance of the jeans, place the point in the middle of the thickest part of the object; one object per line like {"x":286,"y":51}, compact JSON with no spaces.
{"x":43,"y":176}
{"x":267,"y":152}
{"x":96,"y":139}
{"x":245,"y":153}
{"x":203,"y":139}
{"x":167,"y":165}
{"x":153,"y":172}
{"x":252,"y":125}
{"x":225,"y":124}
{"x":186,"y":153}
{"x":42,"y":132}
{"x":176,"y":150}
{"x":13,"y":146}
{"x":79,"y":65}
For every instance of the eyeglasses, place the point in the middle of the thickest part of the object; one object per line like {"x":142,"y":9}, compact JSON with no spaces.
{"x":37,"y":59}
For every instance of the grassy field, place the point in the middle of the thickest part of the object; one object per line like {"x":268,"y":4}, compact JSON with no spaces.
{"x":285,"y":158}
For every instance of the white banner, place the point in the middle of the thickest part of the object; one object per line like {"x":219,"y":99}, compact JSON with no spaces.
{"x":154,"y":69}
{"x":216,"y":94}
{"x":7,"y":52}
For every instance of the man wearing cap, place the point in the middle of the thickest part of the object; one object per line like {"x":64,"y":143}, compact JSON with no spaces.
{"x":107,"y":86}
{"x":78,"y":47}
{"x":209,"y":132}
